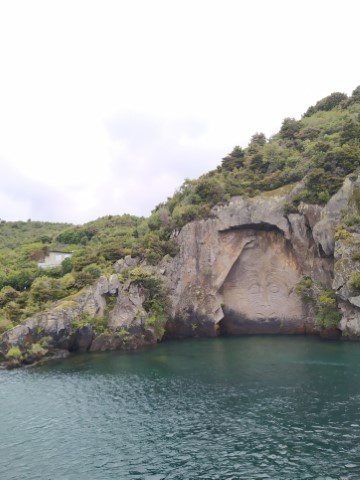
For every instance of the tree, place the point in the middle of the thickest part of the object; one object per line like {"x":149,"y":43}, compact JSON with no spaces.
{"x":289,"y":128}
{"x":234,"y":160}
{"x":350,"y":132}
{"x":327,"y":103}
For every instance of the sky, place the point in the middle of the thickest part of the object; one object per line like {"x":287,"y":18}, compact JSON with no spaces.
{"x":107,"y":106}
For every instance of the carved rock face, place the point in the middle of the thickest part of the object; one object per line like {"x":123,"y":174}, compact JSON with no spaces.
{"x":259,"y":291}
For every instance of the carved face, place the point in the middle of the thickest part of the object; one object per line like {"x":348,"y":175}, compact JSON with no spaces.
{"x":261,"y":283}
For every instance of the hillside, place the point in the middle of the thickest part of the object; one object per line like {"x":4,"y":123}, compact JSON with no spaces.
{"x":324,"y":146}
{"x":321,"y":149}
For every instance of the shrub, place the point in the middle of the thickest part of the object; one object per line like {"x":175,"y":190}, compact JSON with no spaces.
{"x":5,"y":324}
{"x":290,"y":208}
{"x":327,"y":103}
{"x":76,"y":235}
{"x":342,"y":234}
{"x":85,"y":257}
{"x":328,"y":315}
{"x":303,"y":288}
{"x":46,"y":289}
{"x":7,"y":294}
{"x":256,"y":141}
{"x":183,"y":214}
{"x":323,"y":300}
{"x":14,"y":354}
{"x":289,"y":128}
{"x":37,"y":350}
{"x":93,"y":270}
{"x":82,"y":279}
{"x":98,"y":323}
{"x":157,"y":323}
{"x":350,"y":131}
{"x":234,"y":160}
{"x":66,"y":265}
{"x":352,"y":220}
{"x":355,"y":281}
{"x":356,"y":256}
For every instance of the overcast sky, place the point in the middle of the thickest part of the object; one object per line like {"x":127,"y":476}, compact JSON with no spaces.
{"x":107,"y":106}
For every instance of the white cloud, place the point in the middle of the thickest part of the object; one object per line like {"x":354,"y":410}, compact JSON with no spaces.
{"x":106,"y":106}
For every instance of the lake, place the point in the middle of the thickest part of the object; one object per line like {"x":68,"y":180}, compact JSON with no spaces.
{"x":225,"y":408}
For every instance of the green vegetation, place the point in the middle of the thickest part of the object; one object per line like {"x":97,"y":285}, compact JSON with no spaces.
{"x":321,"y":148}
{"x":323,"y":301}
{"x":98,"y":323}
{"x":355,"y":281}
{"x":37,"y":350}
{"x":14,"y":354}
{"x":356,"y":256}
{"x":26,"y":289}
{"x":155,"y":302}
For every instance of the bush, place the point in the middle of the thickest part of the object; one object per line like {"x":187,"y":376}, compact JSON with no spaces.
{"x":356,"y":256}
{"x":93,"y":269}
{"x":5,"y":325}
{"x":183,"y":214}
{"x":352,"y":220}
{"x":85,"y":257}
{"x":7,"y":294}
{"x":303,"y":288}
{"x":327,"y":103}
{"x":328,"y":315}
{"x":76,"y":235}
{"x":323,"y":300}
{"x":342,"y":234}
{"x":66,"y":265}
{"x":99,"y":324}
{"x":45,"y":289}
{"x":289,"y":129}
{"x":82,"y":279}
{"x":234,"y":160}
{"x":37,"y":350}
{"x":355,"y":281}
{"x":256,"y":141}
{"x":14,"y":354}
{"x":350,"y":131}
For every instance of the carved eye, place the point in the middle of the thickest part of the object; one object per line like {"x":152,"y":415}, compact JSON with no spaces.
{"x":273,"y":288}
{"x":254,"y":288}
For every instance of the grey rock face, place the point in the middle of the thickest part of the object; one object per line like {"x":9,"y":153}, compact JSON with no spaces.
{"x":344,"y":269}
{"x":332,"y":213}
{"x":259,"y":292}
{"x":114,"y":284}
{"x":236,"y":272}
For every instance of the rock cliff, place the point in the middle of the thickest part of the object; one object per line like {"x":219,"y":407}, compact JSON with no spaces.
{"x":237,"y":272}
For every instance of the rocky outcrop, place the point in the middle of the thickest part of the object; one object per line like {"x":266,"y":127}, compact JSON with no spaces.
{"x":106,"y":316}
{"x":236,"y":272}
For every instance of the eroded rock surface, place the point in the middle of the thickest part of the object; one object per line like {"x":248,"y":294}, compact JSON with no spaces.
{"x":259,"y":292}
{"x":73,"y":325}
{"x":237,"y":272}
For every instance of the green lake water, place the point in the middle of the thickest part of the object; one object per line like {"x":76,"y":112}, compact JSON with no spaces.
{"x":227,"y":408}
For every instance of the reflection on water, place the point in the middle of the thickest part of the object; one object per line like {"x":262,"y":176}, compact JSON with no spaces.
{"x":231,"y":408}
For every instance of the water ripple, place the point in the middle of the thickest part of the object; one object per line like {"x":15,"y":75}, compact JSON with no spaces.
{"x":239,"y":408}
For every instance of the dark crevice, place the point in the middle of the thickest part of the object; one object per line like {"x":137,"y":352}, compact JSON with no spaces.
{"x":261,"y":226}
{"x":221,"y":328}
